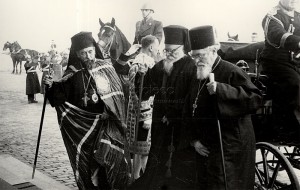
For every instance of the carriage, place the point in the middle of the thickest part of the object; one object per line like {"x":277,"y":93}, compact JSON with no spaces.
{"x":277,"y":160}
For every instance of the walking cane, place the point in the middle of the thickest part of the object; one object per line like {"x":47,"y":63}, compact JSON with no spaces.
{"x":51,"y":72}
{"x":40,"y":132}
{"x":212,"y":79}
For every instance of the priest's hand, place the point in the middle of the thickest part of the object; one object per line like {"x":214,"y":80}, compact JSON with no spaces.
{"x":212,"y":87}
{"x":200,"y":148}
{"x":48,"y":81}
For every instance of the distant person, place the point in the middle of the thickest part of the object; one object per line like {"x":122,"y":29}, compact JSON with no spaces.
{"x":148,"y":25}
{"x":65,"y":58}
{"x":281,"y":63}
{"x":32,"y":80}
{"x":45,"y":66}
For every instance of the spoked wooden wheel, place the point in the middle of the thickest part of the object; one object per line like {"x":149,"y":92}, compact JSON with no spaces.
{"x":280,"y":176}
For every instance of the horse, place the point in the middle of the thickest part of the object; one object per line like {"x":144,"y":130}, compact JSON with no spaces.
{"x":16,"y":57}
{"x":18,"y":54}
{"x":112,"y":42}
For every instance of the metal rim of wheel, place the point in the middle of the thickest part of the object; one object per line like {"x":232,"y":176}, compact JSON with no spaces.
{"x":267,"y":178}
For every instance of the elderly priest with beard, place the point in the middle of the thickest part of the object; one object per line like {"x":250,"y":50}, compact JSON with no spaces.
{"x":89,"y":101}
{"x":231,"y":98}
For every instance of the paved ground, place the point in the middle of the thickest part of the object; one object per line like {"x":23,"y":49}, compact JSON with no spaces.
{"x":19,"y":126}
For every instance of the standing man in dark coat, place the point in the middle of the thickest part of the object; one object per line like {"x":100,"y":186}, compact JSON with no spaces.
{"x":148,"y":26}
{"x":89,"y":101}
{"x":280,"y":61}
{"x":234,"y":97}
{"x":32,"y":79}
{"x":169,"y":166}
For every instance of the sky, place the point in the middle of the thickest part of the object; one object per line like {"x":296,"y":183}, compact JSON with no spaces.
{"x":35,"y":23}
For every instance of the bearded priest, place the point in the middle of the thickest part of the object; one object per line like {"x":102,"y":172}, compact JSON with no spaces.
{"x":229,"y":99}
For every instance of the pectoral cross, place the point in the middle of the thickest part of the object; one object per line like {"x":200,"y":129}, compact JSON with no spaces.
{"x":85,"y":99}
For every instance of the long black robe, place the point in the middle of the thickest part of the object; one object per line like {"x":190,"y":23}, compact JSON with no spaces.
{"x":94,"y":135}
{"x":168,"y":101}
{"x":32,"y":79}
{"x":236,"y":98}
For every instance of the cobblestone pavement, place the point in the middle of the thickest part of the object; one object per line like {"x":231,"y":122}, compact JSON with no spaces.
{"x":19,"y":126}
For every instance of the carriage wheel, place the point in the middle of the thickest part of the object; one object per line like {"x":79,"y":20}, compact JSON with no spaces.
{"x":281,"y":176}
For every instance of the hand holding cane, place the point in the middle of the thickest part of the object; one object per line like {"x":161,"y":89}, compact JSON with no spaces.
{"x":212,"y":79}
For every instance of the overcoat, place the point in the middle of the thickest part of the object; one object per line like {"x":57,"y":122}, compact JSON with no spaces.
{"x":32,"y":79}
{"x":144,"y":28}
{"x":282,"y":38}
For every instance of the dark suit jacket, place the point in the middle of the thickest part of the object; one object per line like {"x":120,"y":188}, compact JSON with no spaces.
{"x":143,"y":29}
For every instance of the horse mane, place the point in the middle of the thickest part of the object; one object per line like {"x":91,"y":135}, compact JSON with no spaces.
{"x":121,"y":37}
{"x":16,"y":46}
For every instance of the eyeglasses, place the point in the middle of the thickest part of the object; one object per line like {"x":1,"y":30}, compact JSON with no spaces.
{"x":200,"y":55}
{"x":171,"y":51}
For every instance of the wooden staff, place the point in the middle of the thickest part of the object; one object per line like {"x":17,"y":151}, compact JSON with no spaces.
{"x":51,"y":72}
{"x":40,"y":132}
{"x":212,"y":79}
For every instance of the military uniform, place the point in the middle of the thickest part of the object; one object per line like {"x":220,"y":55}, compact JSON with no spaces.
{"x":150,"y":26}
{"x":282,"y":38}
{"x":32,"y":81}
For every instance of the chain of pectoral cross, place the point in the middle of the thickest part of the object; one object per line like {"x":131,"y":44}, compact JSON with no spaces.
{"x":198,"y":92}
{"x":85,"y":97}
{"x":200,"y":88}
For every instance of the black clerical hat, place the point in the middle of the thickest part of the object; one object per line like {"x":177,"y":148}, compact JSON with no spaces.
{"x":178,"y":35}
{"x":203,"y":36}
{"x":82,"y":40}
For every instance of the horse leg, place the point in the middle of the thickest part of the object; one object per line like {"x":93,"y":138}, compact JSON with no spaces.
{"x":14,"y":63}
{"x":20,"y":67}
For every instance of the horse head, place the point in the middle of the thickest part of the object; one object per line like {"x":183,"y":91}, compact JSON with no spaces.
{"x":106,"y":36}
{"x":233,"y":38}
{"x":6,"y":46}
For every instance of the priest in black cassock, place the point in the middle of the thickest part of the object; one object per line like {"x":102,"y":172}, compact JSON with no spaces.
{"x":90,"y":106}
{"x":231,"y":98}
{"x":170,"y":165}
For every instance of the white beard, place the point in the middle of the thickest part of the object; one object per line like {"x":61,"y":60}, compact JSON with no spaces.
{"x":203,"y":72}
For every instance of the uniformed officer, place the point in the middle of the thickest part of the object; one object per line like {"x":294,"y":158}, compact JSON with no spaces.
{"x":280,"y":61}
{"x":32,"y":80}
{"x":148,"y":26}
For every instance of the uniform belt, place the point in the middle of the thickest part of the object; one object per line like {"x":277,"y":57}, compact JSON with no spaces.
{"x":31,"y":71}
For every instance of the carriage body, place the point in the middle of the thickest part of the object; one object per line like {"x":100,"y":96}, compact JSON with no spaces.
{"x":276,"y":159}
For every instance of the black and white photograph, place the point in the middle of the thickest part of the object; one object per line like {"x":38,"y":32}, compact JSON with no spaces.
{"x":150,"y":95}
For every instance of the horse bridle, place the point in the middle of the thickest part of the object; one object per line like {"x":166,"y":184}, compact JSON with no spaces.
{"x":106,"y":49}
